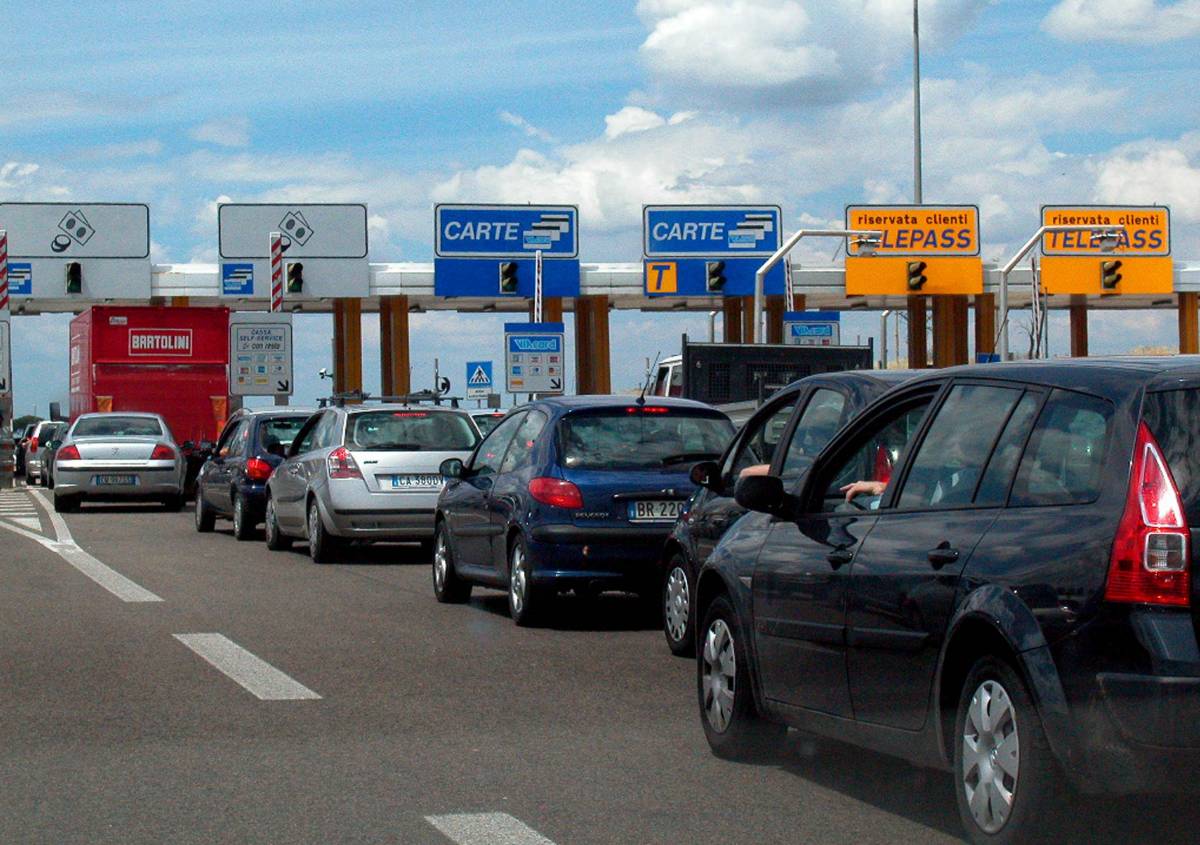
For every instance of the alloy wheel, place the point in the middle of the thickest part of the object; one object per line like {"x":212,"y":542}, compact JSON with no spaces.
{"x":518,"y":580}
{"x":677,"y":606}
{"x":719,"y":675}
{"x":991,"y":756}
{"x":440,"y":562}
{"x":239,"y":515}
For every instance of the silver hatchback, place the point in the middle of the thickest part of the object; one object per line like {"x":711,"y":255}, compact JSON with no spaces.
{"x":364,"y":473}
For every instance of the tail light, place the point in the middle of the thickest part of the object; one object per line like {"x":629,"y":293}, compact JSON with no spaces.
{"x":1150,"y":560}
{"x":883,"y":464}
{"x":341,"y":464}
{"x":67,"y":453}
{"x":32,"y":444}
{"x":258,"y":470}
{"x":556,"y":493}
{"x":162,"y":452}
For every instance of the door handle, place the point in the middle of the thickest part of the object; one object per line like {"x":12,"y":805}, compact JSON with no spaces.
{"x":294,"y":469}
{"x":839,"y":557}
{"x":942,"y":555}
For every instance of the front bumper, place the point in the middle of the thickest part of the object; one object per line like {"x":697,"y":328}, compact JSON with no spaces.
{"x":617,"y":557}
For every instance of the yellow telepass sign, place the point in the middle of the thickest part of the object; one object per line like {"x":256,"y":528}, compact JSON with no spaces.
{"x":1147,"y":229}
{"x":935,"y":230}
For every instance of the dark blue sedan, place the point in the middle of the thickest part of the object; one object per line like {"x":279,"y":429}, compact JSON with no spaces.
{"x":574,"y":493}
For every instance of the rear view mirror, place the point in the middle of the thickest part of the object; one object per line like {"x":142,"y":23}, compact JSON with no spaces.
{"x":451,"y":468}
{"x":764,"y":494}
{"x":706,"y":474}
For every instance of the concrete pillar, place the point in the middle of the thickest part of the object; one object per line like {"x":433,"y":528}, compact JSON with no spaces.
{"x":593,"y":372}
{"x":1079,"y":327}
{"x":732,"y":308}
{"x":347,"y":345}
{"x":918,"y":348}
{"x":949,"y":330}
{"x":394,"y":363}
{"x":1189,"y":324}
{"x":775,"y":309}
{"x":799,"y":302}
{"x":985,"y":323}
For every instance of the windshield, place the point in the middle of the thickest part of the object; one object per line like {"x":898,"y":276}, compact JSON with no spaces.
{"x":633,"y":438}
{"x":278,"y":433}
{"x":117,"y":426}
{"x":415,"y":431}
{"x":487,"y":422}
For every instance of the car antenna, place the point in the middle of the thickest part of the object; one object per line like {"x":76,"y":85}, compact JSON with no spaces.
{"x":641,"y":400}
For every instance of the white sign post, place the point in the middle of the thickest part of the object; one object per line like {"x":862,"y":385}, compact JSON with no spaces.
{"x":260,"y":355}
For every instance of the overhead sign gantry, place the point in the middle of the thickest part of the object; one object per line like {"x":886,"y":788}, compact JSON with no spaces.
{"x":1136,"y":260}
{"x":709,"y":250}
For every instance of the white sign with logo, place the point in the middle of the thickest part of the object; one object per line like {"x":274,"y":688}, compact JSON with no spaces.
{"x":533,"y":359}
{"x":260,"y":354}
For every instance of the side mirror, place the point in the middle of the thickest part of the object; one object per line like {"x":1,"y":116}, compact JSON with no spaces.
{"x":764,"y":494}
{"x":187,"y":446}
{"x":451,"y":468}
{"x":707,"y":474}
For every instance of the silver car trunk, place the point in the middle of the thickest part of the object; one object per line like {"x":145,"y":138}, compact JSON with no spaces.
{"x":404,"y":471}
{"x":114,"y":451}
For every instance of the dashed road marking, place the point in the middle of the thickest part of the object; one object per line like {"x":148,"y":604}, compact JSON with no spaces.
{"x":487,"y":829}
{"x":257,"y":676}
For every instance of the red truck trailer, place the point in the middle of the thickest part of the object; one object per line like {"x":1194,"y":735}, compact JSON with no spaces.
{"x":169,"y":361}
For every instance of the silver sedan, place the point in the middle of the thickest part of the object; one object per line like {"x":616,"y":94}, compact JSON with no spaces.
{"x":118,"y":457}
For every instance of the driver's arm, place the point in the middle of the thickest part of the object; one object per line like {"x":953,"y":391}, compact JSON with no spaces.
{"x":858,"y":488}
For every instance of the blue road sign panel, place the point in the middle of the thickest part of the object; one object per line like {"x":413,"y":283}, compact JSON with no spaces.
{"x":812,"y":328}
{"x":689,"y":277}
{"x":533,"y":357}
{"x":711,"y":231}
{"x":20,"y":278}
{"x":237,"y":279}
{"x":506,"y":231}
{"x":479,"y":379}
{"x":480,"y":277}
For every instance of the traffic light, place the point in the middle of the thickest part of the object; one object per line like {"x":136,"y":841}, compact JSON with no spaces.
{"x":714,"y":276}
{"x":74,"y":277}
{"x":1109,"y":275}
{"x":916,"y":275}
{"x":508,"y":277}
{"x":295,"y":277}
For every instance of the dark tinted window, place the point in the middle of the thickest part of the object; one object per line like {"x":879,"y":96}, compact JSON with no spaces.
{"x":117,"y":426}
{"x":410,"y":431}
{"x":821,"y":420}
{"x":275,"y":435}
{"x":881,"y":448}
{"x":998,"y":476}
{"x":486,"y":422}
{"x":763,"y":435}
{"x":641,"y":438}
{"x":1065,"y":457}
{"x":951,"y":458}
{"x":491,"y":451}
{"x":1174,"y":419}
{"x":522,"y":444}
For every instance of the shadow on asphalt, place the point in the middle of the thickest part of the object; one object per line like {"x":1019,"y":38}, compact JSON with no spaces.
{"x":607,"y":612}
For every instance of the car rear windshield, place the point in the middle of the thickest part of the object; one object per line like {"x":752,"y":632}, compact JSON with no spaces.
{"x":277,"y":433}
{"x":411,"y":431}
{"x":637,"y":438}
{"x":116,"y":426}
{"x":487,"y":422}
{"x":1173,"y":417}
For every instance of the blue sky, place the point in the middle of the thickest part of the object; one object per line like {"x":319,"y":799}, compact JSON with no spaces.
{"x":603,"y":104}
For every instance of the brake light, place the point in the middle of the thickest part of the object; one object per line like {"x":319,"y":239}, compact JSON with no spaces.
{"x":32,"y":444}
{"x":257,"y":469}
{"x":67,"y":453}
{"x":648,"y":409}
{"x":1150,"y":559}
{"x":883,"y":464}
{"x":162,"y":452}
{"x":341,"y":464}
{"x":556,"y":493}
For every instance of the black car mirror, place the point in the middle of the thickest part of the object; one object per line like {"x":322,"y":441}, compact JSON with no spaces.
{"x":764,"y":494}
{"x":187,"y":446}
{"x":452,"y":468}
{"x":707,"y":474}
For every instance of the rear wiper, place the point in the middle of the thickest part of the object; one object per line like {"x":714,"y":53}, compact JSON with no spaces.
{"x":681,"y":457}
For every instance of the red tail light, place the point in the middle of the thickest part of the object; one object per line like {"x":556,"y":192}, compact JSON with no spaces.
{"x":162,"y":452}
{"x":257,"y":469}
{"x":67,"y":453}
{"x":32,"y":444}
{"x":341,"y":464}
{"x":883,"y":464}
{"x":556,"y":493}
{"x":1150,"y":558}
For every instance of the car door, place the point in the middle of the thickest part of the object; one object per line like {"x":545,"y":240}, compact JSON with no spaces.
{"x":510,"y":484}
{"x":288,"y":487}
{"x":217,"y":472}
{"x":905,"y":575}
{"x":801,"y":579}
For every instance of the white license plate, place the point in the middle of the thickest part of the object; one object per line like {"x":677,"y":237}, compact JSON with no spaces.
{"x":114,"y":480}
{"x":425,"y":481}
{"x":655,"y":511}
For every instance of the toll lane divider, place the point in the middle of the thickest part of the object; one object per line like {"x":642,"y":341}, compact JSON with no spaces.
{"x":486,"y":829}
{"x":255,"y":675}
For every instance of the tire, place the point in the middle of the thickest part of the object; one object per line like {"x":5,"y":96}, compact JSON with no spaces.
{"x":243,"y":528}
{"x":732,"y":725}
{"x":525,"y":601}
{"x":1011,"y":756}
{"x":277,"y":541}
{"x":448,"y":587}
{"x":173,"y":504}
{"x":205,"y":518}
{"x":67,"y":504}
{"x":322,"y":546}
{"x":678,"y":617}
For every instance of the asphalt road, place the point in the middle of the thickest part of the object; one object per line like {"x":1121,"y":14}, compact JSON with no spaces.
{"x":385,"y":717}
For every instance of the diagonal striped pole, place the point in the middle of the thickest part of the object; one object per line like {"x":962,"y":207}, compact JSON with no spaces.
{"x":276,"y":271}
{"x":3,"y":272}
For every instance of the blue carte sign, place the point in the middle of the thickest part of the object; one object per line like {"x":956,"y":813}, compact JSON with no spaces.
{"x":506,"y":231}
{"x":711,"y":231}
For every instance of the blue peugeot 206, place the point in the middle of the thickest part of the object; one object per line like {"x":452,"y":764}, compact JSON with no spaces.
{"x":573,"y":493}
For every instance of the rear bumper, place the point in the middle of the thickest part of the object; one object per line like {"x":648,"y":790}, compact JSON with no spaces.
{"x":624,"y":557}
{"x":151,"y":482}
{"x":354,"y":512}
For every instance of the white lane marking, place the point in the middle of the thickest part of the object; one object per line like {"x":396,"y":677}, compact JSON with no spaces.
{"x":259,"y":677}
{"x":487,"y":829}
{"x":29,"y":522}
{"x":60,"y":525}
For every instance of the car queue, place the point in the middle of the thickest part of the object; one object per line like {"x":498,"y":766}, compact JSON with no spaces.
{"x":985,"y":569}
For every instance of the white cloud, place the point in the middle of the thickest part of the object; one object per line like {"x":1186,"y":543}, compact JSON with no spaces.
{"x":124,"y":149}
{"x":525,"y":126}
{"x":631,"y":119}
{"x":226,"y":132}
{"x":1131,"y":21}
{"x":1154,"y":173}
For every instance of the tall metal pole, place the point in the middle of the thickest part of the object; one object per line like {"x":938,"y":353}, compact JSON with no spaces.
{"x":916,"y":106}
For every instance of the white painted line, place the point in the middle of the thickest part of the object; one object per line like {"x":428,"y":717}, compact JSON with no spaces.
{"x":29,"y":522}
{"x":487,"y":829}
{"x":260,"y":678}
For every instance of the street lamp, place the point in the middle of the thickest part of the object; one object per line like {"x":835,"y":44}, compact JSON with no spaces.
{"x":1107,"y":236}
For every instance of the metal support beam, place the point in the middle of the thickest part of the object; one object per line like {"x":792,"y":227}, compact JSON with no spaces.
{"x":180,"y":301}
{"x":1189,"y":324}
{"x":748,"y":319}
{"x":775,"y":309}
{"x":394,"y":369}
{"x":985,"y":324}
{"x":347,"y":345}
{"x":552,"y":309}
{"x":1079,"y":327}
{"x":943,"y":331}
{"x":731,"y":331}
{"x":918,"y":349}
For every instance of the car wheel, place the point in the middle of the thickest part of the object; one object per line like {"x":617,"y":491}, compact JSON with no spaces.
{"x":277,"y":541}
{"x":524,"y":599}
{"x":448,"y":587}
{"x":243,"y":526}
{"x":1004,"y":771}
{"x":322,"y":546}
{"x":67,"y":504}
{"x":677,"y":607}
{"x":205,"y":518}
{"x":732,"y":725}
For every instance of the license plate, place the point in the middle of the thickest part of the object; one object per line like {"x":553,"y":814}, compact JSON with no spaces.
{"x":656,"y":511}
{"x":114,"y":480}
{"x":427,"y":481}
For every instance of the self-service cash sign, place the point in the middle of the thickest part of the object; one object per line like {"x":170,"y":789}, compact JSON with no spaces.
{"x":921,"y":249}
{"x":1136,"y":261}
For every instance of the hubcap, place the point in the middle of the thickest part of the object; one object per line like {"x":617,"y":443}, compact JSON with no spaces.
{"x":991,"y":756}
{"x":440,"y":563}
{"x":314,"y":522}
{"x":719,"y":675}
{"x":677,"y":603}
{"x":238,"y":515}
{"x":517,"y":580}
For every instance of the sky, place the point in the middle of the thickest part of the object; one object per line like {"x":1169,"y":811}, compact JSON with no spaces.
{"x":802,"y":103}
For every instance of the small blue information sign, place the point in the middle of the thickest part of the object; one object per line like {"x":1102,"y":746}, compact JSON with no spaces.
{"x":533,"y":357}
{"x":812,"y":328}
{"x":237,"y":279}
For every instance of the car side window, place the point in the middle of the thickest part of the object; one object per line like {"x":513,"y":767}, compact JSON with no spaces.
{"x":306,"y":439}
{"x":763,"y":433}
{"x":230,"y":439}
{"x":949,"y":463}
{"x":821,"y":419}
{"x":522,"y":443}
{"x":490,"y":453}
{"x":1064,"y":461}
{"x":998,"y":476}
{"x":326,"y":431}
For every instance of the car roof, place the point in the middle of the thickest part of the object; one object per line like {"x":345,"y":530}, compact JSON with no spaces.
{"x":264,"y":413}
{"x":615,"y":400}
{"x":397,"y":406}
{"x":1106,"y":375}
{"x":101,"y":414}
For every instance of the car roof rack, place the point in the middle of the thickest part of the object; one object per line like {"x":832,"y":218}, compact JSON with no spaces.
{"x":358,"y":397}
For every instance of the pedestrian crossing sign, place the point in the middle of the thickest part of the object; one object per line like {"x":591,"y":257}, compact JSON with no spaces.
{"x":479,"y":379}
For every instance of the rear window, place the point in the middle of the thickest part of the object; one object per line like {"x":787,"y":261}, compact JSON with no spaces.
{"x":634,"y":438}
{"x":410,"y":431}
{"x":487,"y":422}
{"x":1173,"y":417}
{"x":1064,"y":461}
{"x":276,"y":434}
{"x":117,"y":426}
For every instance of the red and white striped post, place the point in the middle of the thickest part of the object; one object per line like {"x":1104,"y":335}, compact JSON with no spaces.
{"x":276,"y":271}
{"x":3,"y":273}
